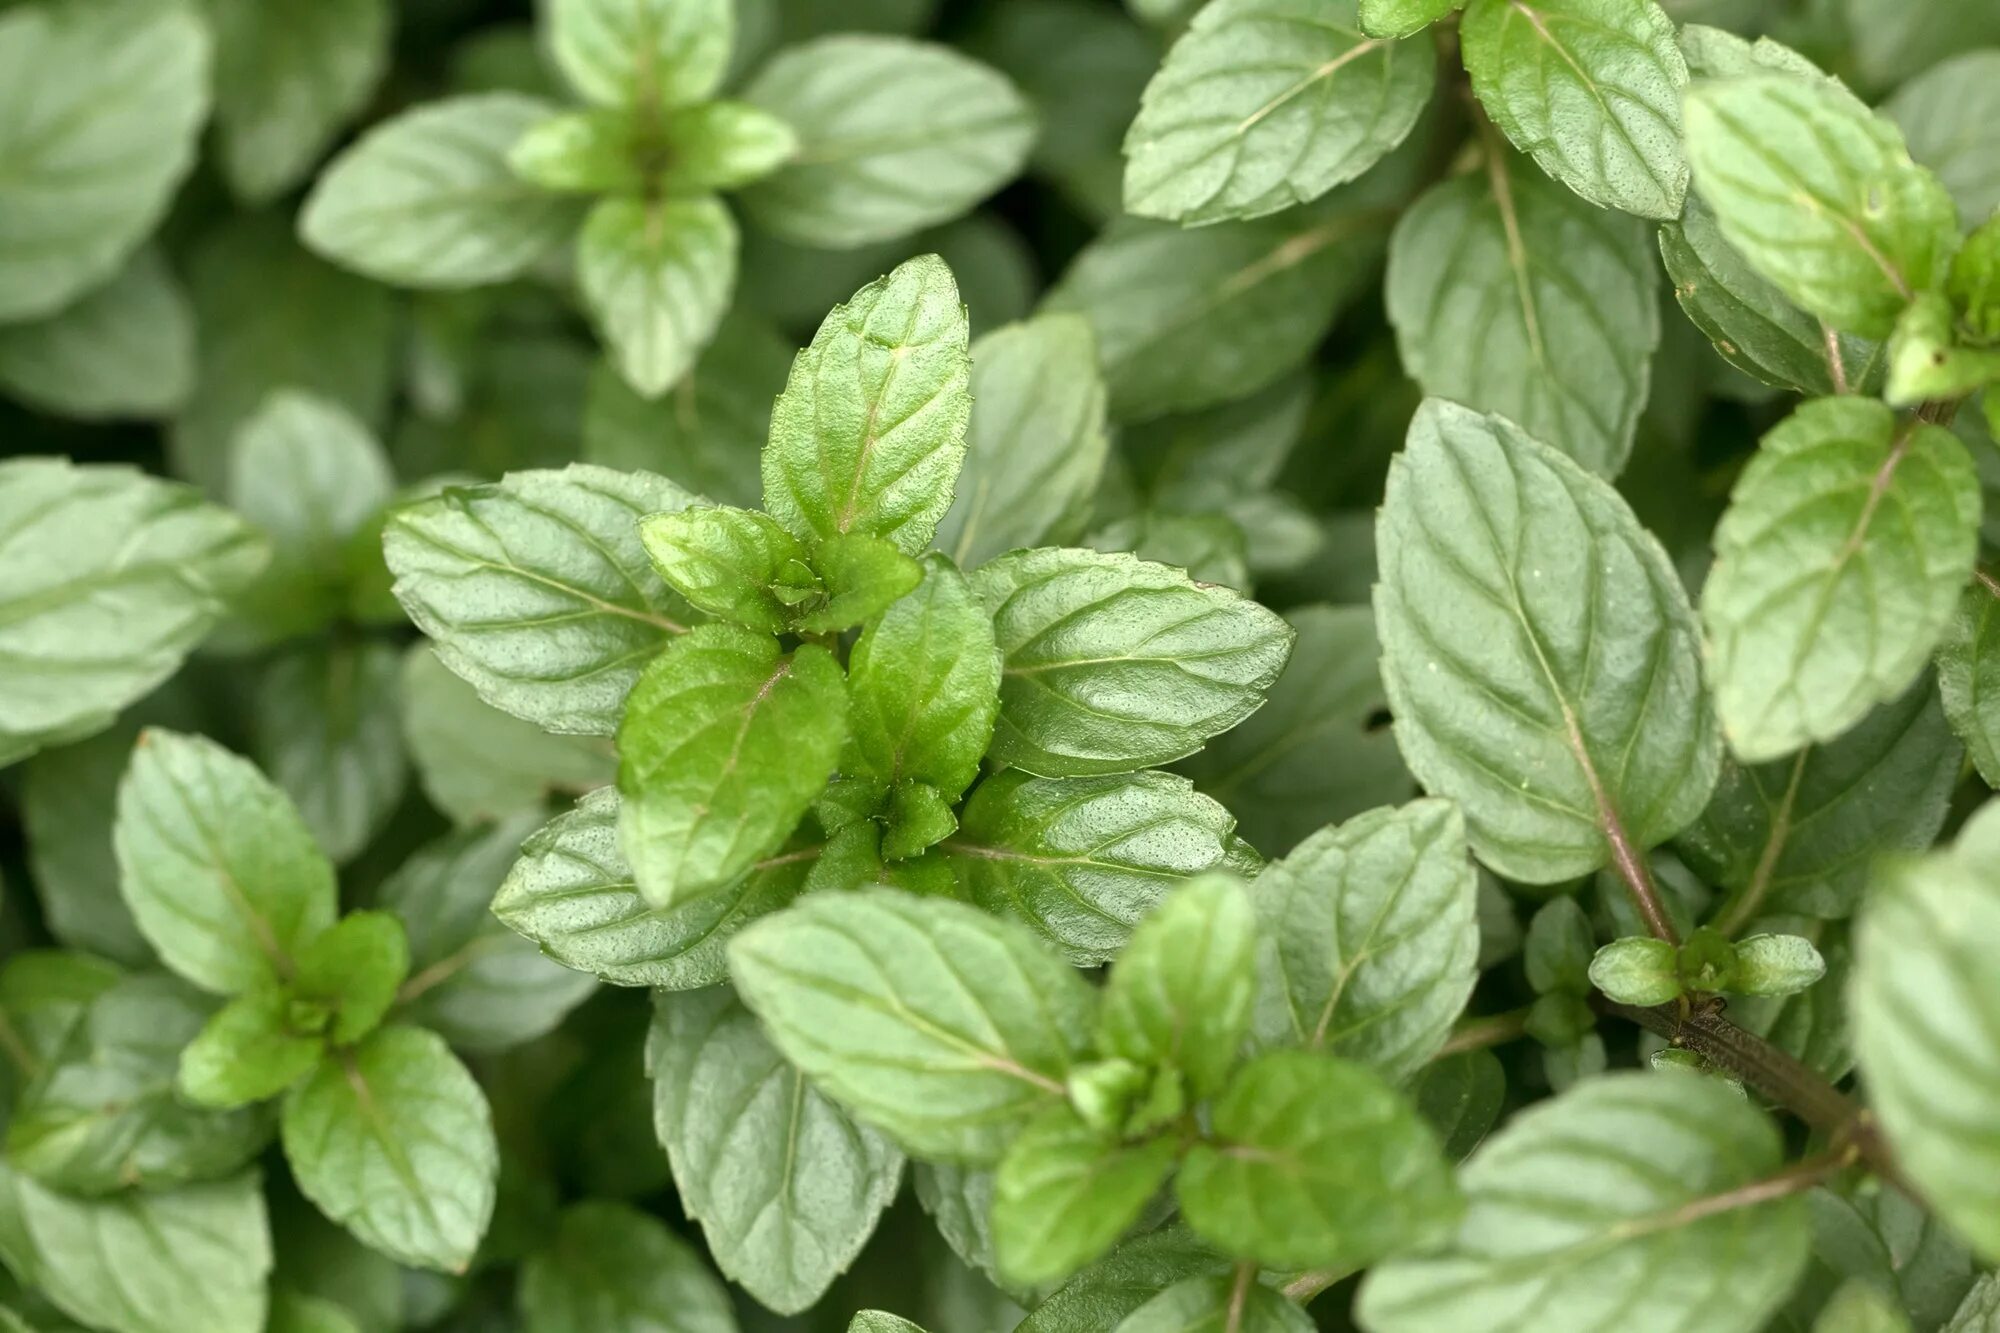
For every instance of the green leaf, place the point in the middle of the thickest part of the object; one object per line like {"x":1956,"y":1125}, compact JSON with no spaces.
{"x":657,"y":276}
{"x":472,"y":980}
{"x":427,"y":200}
{"x":476,"y":763}
{"x":1461,"y":1095}
{"x":67,"y":798}
{"x":1102,"y":1295}
{"x":1264,"y":104}
{"x":787,"y":1189}
{"x":1215,"y":1305}
{"x":289,"y":76}
{"x":1563,"y":295}
{"x":1968,"y":662}
{"x":88,"y":627}
{"x":1981,"y":1311}
{"x":1942,"y":113}
{"x":101,"y":1115}
{"x":123,"y":349}
{"x":725,"y":743}
{"x":1065,"y":1192}
{"x":894,"y":136}
{"x":1925,"y":1001}
{"x":328,"y":729}
{"x":729,"y":562}
{"x":1799,"y":834}
{"x":1591,"y":89}
{"x":930,"y":1020}
{"x":642,"y":54}
{"x":1636,"y":970}
{"x":1820,"y":197}
{"x":45,"y":996}
{"x":1083,"y":859}
{"x":1401,"y":18}
{"x":878,"y":1321}
{"x":1859,"y":1306}
{"x":218,"y":869}
{"x":581,"y":152}
{"x":1370,"y":938}
{"x":608,"y":1266}
{"x":1190,"y":318}
{"x":1557,"y":952}
{"x":724,"y":146}
{"x":354,"y":968}
{"x":143,"y":1261}
{"x":1182,"y":991}
{"x":572,"y":893}
{"x":1519,"y":590}
{"x":103,"y":105}
{"x":1925,"y":360}
{"x":1115,"y":663}
{"x":484,"y":571}
{"x":1847,"y":541}
{"x":863,"y":577}
{"x":1776,"y":965}
{"x":1974,"y":285}
{"x":1037,"y":442}
{"x":1574,"y":1206}
{"x":393,"y":1141}
{"x":252,"y":1048}
{"x":870,"y":430}
{"x":960,"y":1201}
{"x":924,"y":687}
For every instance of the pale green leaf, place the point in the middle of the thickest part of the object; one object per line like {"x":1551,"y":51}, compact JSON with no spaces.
{"x":1065,"y":1192}
{"x":1981,"y":1311}
{"x":67,"y":799}
{"x":1105,"y":1293}
{"x":1945,"y":114}
{"x":879,"y":1321}
{"x":1401,"y":18}
{"x":1902,"y":40}
{"x":730,"y":562}
{"x":657,"y":276}
{"x":960,"y":1201}
{"x":125,"y":349}
{"x":1182,"y":991}
{"x":724,"y":146}
{"x":352,"y":971}
{"x":249,"y":1050}
{"x":327,"y":726}
{"x":1215,"y":1305}
{"x":642,"y":54}
{"x":1968,"y":667}
{"x":862,"y":576}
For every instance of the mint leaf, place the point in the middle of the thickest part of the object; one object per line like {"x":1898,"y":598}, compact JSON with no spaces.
{"x":894,"y":136}
{"x":1263,"y":104}
{"x":393,"y":1141}
{"x":1216,"y":1305}
{"x":1181,"y":994}
{"x":870,"y":430}
{"x":1115,"y":663}
{"x":1401,"y":18}
{"x":252,"y":1048}
{"x":1461,"y":1095}
{"x":353,"y":969}
{"x":930,"y":1020}
{"x":218,"y":869}
{"x":582,"y":152}
{"x":123,"y":349}
{"x":328,"y":729}
{"x":725,"y":742}
{"x":572,"y":893}
{"x":724,"y":146}
{"x":481,"y":570}
{"x":1128,"y":1278}
{"x":1370,"y":938}
{"x":609,"y":1264}
{"x":1863,"y":229}
{"x":1847,"y":541}
{"x":1511,"y":574}
{"x":863,"y":576}
{"x":729,"y":562}
{"x":877,"y":1321}
{"x":1083,"y":859}
{"x":1037,"y":443}
{"x":1564,"y":292}
{"x":642,"y":54}
{"x":1940,"y":112}
{"x":1315,"y":1161}
{"x":104,"y":102}
{"x":1968,"y":659}
{"x":89,"y":627}
{"x":427,"y":199}
{"x":67,"y":801}
{"x":1064,"y":1192}
{"x":787,"y":1188}
{"x":657,"y":276}
{"x":1575,"y":1200}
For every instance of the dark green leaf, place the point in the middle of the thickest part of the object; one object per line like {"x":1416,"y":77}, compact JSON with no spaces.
{"x":1216,"y":1305}
{"x":68,"y":797}
{"x":123,"y":349}
{"x":327,"y":724}
{"x":1943,"y":113}
{"x":610,"y":1266}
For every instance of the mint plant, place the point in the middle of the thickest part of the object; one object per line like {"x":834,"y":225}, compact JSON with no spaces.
{"x":1039,"y":665}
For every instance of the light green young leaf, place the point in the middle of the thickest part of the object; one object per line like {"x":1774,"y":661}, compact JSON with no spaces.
{"x":642,"y":55}
{"x":657,"y":276}
{"x":581,"y":152}
{"x":924,"y":687}
{"x":143,"y":1261}
{"x":1925,"y":1001}
{"x":220,"y":872}
{"x":1925,"y":359}
{"x":572,"y":893}
{"x":289,"y":75}
{"x":353,"y":969}
{"x":1943,"y":113}
{"x":1591,"y":89}
{"x":88,"y":627}
{"x":252,"y":1048}
{"x":1519,"y":590}
{"x":1065,"y":1192}
{"x":894,"y":136}
{"x":484,"y":570}
{"x":1083,"y":859}
{"x":1574,"y":1202}
{"x":101,"y":1115}
{"x":1637,"y":969}
{"x":611,"y":1266}
{"x":787,"y":1189}
{"x":1215,"y":1305}
{"x":1819,"y":196}
{"x":1800,"y":833}
{"x":725,"y":742}
{"x":1264,"y":104}
{"x":870,"y":430}
{"x":1314,"y":1161}
{"x":393,"y":1141}
{"x":125,"y":349}
{"x":1563,"y":295}
{"x":1776,"y":965}
{"x":427,"y":199}
{"x":1037,"y":442}
{"x":102,"y":109}
{"x":929,"y":1019}
{"x":327,"y":727}
{"x":1370,"y":938}
{"x":1401,"y":18}
{"x":1181,"y":993}
{"x":729,"y":562}
{"x":1846,"y":544}
{"x":67,"y":800}
{"x":1115,"y":663}
{"x":863,"y":576}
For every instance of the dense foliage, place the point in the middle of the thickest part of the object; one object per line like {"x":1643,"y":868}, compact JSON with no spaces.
{"x":614,"y":719}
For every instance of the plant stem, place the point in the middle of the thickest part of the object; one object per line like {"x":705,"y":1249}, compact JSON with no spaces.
{"x":1239,"y":1296}
{"x":1490,"y":1030}
{"x":1301,"y":1289}
{"x":1797,"y":1178}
